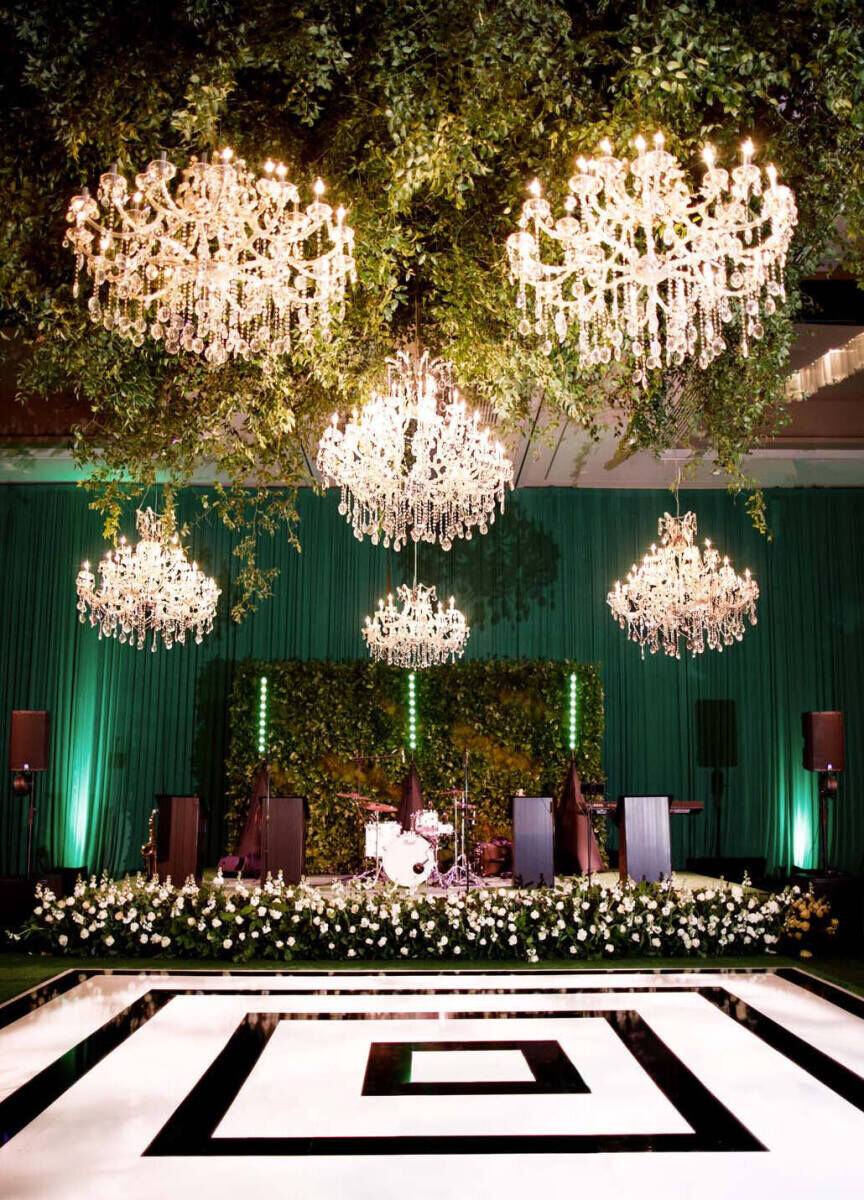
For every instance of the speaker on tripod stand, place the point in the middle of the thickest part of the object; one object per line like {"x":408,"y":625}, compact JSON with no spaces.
{"x":28,"y":754}
{"x":717,"y":748}
{"x":824,"y":754}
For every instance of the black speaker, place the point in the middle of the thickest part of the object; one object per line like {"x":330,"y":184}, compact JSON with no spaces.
{"x":28,"y":742}
{"x":180,"y":838}
{"x":533,"y":841}
{"x":824,"y":748}
{"x":716,"y":733}
{"x":283,"y":837}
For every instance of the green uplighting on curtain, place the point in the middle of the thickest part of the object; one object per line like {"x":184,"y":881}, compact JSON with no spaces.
{"x":127,"y":725}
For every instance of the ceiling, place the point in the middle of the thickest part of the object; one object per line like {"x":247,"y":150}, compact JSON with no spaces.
{"x":821,"y":446}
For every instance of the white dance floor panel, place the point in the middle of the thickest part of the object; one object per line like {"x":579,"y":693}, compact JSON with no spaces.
{"x":691,"y":1084}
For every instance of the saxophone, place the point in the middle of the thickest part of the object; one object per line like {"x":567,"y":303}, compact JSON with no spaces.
{"x":148,"y":850}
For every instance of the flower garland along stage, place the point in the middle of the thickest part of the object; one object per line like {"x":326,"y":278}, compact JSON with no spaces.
{"x":140,"y":917}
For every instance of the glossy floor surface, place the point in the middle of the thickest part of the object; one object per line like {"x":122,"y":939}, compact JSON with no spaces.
{"x":668,"y":1084}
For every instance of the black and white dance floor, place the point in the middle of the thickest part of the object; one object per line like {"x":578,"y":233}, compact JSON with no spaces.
{"x":429,"y":1085}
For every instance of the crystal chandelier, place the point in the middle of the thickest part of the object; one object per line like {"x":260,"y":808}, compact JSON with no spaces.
{"x":643,"y":267}
{"x":679,"y":593}
{"x":228,"y":265}
{"x":414,"y":460}
{"x":417,"y":635}
{"x":149,"y":588}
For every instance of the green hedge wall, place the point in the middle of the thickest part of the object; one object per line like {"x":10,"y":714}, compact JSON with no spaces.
{"x":512,"y":717}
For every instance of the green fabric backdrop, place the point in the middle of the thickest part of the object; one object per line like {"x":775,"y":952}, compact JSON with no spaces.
{"x":127,"y":724}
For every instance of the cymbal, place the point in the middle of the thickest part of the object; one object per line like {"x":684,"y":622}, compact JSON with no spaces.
{"x":351,"y":796}
{"x":377,"y":806}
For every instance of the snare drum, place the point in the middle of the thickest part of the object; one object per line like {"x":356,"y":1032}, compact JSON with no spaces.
{"x":384,"y":832}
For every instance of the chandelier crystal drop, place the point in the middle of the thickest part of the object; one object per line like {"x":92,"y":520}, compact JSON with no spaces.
{"x":417,"y":635}
{"x":643,"y":267}
{"x":414,"y":462}
{"x":148,"y":589}
{"x":678,"y":593}
{"x":227,"y":265}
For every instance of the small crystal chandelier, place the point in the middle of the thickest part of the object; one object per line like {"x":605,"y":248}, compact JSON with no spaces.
{"x":414,"y":460}
{"x":149,"y":588}
{"x":643,"y":267}
{"x":677,"y":593}
{"x":417,"y":635}
{"x":228,"y":265}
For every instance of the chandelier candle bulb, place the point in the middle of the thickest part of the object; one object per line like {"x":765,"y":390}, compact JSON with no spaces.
{"x":680,"y":594}
{"x":149,"y":589}
{"x":226,"y":265}
{"x":641,"y":267}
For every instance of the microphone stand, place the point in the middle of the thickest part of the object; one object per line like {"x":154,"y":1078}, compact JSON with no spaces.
{"x":265,"y":824}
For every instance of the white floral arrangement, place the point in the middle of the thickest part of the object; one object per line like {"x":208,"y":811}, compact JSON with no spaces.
{"x":136,"y":916}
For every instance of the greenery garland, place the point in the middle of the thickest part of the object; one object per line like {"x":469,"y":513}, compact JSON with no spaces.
{"x":509,"y":716}
{"x":427,"y":118}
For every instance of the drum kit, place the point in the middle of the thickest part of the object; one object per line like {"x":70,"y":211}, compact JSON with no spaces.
{"x":409,"y":857}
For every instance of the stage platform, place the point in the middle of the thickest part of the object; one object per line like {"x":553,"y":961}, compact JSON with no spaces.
{"x":668,"y":1084}
{"x":686,"y":881}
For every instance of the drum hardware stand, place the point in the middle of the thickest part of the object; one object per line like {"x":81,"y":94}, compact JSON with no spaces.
{"x":372,"y":874}
{"x":460,"y":873}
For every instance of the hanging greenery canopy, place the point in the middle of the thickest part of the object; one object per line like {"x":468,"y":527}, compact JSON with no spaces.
{"x":427,"y":119}
{"x":511,"y":718}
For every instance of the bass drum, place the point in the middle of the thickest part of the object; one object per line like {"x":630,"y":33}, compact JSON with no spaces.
{"x":408,"y":860}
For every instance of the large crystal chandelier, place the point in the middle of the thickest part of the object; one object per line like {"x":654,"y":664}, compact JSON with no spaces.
{"x":150,"y":588}
{"x":643,"y":267}
{"x":418,"y":634}
{"x":677,"y":593}
{"x":414,"y":461}
{"x":228,"y":265}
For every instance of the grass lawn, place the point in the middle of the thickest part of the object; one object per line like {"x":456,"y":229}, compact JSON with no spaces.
{"x":18,"y":972}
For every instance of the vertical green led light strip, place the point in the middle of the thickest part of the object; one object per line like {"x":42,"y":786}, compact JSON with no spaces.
{"x":574,"y":711}
{"x":412,"y":712}
{"x":262,"y":716}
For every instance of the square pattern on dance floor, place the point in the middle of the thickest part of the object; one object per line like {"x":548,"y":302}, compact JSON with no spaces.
{"x":428,"y":1084}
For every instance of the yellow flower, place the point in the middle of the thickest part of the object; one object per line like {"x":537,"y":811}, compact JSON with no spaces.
{"x":806,"y":954}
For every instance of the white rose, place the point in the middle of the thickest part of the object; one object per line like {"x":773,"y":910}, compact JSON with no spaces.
{"x":227,"y":944}
{"x":62,"y":939}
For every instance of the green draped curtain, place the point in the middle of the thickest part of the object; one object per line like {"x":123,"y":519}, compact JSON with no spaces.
{"x":127,"y":724}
